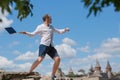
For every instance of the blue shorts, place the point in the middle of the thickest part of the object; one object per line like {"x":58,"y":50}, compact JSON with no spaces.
{"x":51,"y":51}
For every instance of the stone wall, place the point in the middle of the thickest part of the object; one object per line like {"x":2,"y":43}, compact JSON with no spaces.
{"x":19,"y":76}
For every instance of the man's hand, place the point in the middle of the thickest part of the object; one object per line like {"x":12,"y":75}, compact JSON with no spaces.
{"x":67,"y":29}
{"x":23,"y":32}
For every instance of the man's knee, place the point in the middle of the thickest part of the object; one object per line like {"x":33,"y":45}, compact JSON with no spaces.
{"x":40,"y":59}
{"x":57,"y":59}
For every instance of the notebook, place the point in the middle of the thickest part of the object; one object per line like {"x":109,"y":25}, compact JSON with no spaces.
{"x":10,"y":30}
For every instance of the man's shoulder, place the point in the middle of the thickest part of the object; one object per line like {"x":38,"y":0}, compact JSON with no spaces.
{"x":40,"y":25}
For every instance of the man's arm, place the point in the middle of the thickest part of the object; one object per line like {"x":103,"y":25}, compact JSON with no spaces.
{"x":30,"y":33}
{"x":61,"y":31}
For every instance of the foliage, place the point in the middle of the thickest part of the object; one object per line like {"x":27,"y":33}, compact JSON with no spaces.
{"x":24,"y":7}
{"x":71,"y":75}
{"x":96,"y":6}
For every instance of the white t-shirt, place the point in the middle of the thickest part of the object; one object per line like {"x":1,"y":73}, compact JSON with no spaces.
{"x":46,"y":33}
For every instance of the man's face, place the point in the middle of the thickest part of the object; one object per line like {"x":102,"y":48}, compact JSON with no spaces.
{"x":48,"y":20}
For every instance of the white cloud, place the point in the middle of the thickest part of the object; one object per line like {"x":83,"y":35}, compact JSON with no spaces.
{"x":5,"y":22}
{"x":85,"y":49}
{"x":11,"y":66}
{"x":105,"y":52}
{"x":22,"y":67}
{"x":110,"y":46}
{"x":14,"y":43}
{"x":99,"y":56}
{"x":91,"y":58}
{"x":68,"y":41}
{"x":115,"y":67}
{"x":4,"y":62}
{"x":65,"y":50}
{"x":16,"y":52}
{"x":27,"y":56}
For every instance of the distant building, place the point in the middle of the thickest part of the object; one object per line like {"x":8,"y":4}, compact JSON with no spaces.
{"x":60,"y":74}
{"x":93,"y":74}
{"x":97,"y":74}
{"x":91,"y":70}
{"x":109,"y":70}
{"x":71,"y":72}
{"x":81,"y":72}
{"x":116,"y":77}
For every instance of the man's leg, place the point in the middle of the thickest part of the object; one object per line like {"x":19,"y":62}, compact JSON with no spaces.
{"x":36,"y":63}
{"x":56,"y":65}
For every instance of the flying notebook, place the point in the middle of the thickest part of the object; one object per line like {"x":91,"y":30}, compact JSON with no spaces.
{"x":10,"y":30}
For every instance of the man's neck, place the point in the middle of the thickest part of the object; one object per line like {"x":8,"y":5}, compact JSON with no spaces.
{"x":47,"y":24}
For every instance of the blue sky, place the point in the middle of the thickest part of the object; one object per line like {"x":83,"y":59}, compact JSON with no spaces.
{"x":89,"y":38}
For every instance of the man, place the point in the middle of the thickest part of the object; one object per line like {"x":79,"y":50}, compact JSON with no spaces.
{"x":45,"y":30}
